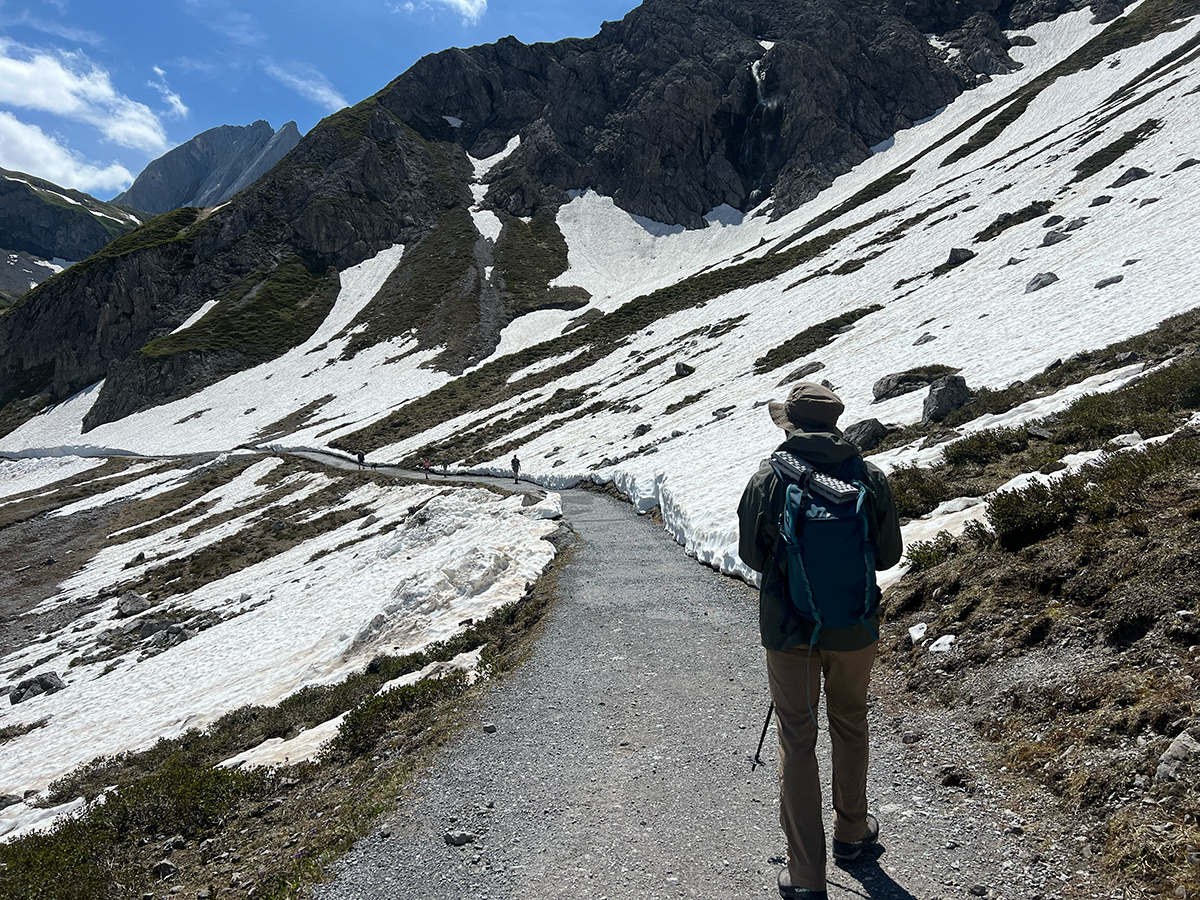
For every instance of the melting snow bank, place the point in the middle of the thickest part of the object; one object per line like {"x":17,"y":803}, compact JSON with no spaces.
{"x":381,"y":568}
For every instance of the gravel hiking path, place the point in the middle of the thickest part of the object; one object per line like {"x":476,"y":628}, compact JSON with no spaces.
{"x":619,"y":767}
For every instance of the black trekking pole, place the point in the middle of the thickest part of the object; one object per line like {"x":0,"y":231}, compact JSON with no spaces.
{"x":762,"y":737}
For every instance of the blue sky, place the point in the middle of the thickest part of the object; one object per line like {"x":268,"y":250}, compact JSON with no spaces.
{"x":91,"y":91}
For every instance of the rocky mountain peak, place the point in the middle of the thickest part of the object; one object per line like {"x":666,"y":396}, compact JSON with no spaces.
{"x":211,"y":167}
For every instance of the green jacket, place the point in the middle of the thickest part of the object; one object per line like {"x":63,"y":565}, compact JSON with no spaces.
{"x":758,"y":521}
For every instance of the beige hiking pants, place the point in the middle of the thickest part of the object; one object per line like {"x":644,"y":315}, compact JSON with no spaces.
{"x":795,"y":685}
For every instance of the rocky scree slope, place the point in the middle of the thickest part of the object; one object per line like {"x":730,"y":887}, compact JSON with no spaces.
{"x":211,"y":167}
{"x":672,"y":111}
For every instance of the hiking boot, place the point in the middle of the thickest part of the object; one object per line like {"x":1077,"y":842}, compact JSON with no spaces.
{"x":848,"y":851}
{"x":789,"y":892}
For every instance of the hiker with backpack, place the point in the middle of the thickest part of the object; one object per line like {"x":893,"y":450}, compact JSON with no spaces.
{"x":817,"y":521}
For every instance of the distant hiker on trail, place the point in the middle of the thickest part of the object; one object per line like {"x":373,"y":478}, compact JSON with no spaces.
{"x":817,"y":542}
{"x":425,"y":466}
{"x":445,"y":473}
{"x":516,"y":467}
{"x":361,"y":459}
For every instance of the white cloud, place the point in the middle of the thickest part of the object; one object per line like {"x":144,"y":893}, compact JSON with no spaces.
{"x":306,"y":81}
{"x":72,"y":86}
{"x":26,"y":148}
{"x":175,"y":106}
{"x":471,"y":10}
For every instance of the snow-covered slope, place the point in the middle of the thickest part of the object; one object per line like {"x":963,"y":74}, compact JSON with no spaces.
{"x":977,"y":317}
{"x":604,"y":400}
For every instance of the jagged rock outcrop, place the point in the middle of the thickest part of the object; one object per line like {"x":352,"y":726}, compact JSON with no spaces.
{"x":211,"y":167}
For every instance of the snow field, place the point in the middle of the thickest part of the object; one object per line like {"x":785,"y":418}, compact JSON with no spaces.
{"x":422,"y":560}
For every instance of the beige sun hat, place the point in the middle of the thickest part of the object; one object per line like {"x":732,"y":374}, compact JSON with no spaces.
{"x":809,"y":407}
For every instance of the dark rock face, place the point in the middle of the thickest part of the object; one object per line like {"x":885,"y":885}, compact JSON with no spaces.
{"x":46,"y":683}
{"x":211,"y":167}
{"x":679,"y":107}
{"x":983,"y":49}
{"x":947,"y":394}
{"x":867,"y":434}
{"x":1130,"y":175}
{"x":48,"y":221}
{"x":1039,"y":281}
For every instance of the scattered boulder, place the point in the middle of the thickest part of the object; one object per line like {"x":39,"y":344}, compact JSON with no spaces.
{"x":131,"y":604}
{"x":1054,"y":237}
{"x":682,"y":370}
{"x":1105,"y":282}
{"x":1039,"y":281}
{"x":723,"y":411}
{"x":866,"y":435}
{"x":1053,"y":220}
{"x":489,"y":727}
{"x":7,"y":800}
{"x":458,"y":838}
{"x":1101,"y":200}
{"x":165,"y":869}
{"x":900,"y":383}
{"x":1076,"y":224}
{"x":641,"y":430}
{"x":799,"y":374}
{"x":46,"y":683}
{"x":1147,"y":202}
{"x":924,"y":339}
{"x":948,"y":393}
{"x":1187,"y":164}
{"x":1013,"y":261}
{"x":1169,"y":764}
{"x":1130,"y":175}
{"x":959,"y":255}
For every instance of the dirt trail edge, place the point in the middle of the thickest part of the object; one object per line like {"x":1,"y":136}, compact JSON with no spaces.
{"x":619,"y":767}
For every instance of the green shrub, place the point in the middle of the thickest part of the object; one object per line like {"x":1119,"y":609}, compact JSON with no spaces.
{"x":986,"y":446}
{"x":366,"y":724}
{"x":1026,"y":515}
{"x":918,"y":491}
{"x":924,"y":555}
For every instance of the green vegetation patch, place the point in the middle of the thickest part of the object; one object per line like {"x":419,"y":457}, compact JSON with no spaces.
{"x":1005,"y":221}
{"x":529,"y":255}
{"x":810,"y":339}
{"x":263,"y":321}
{"x":1110,"y":153}
{"x":1152,"y":406}
{"x":686,"y":401}
{"x":431,"y":293}
{"x":873,"y":191}
{"x":471,"y":445}
{"x":1103,"y":605}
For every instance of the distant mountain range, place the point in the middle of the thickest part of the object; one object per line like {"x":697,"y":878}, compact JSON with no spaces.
{"x":44,"y":227}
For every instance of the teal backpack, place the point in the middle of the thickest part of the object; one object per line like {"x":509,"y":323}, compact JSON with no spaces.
{"x":826,"y":550}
